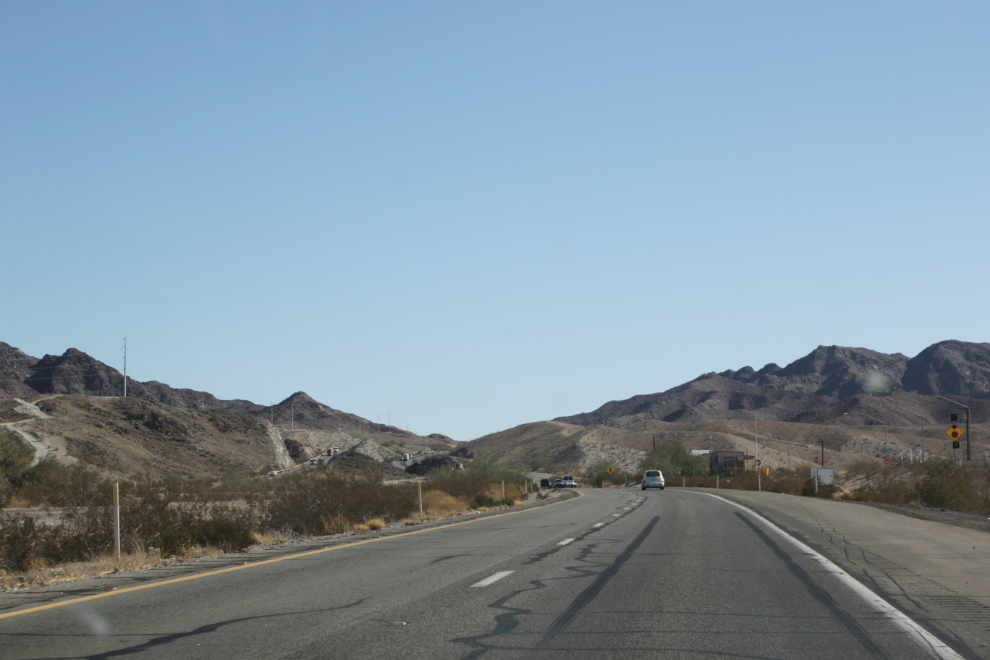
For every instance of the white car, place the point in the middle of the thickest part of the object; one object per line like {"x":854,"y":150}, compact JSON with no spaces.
{"x":652,"y":479}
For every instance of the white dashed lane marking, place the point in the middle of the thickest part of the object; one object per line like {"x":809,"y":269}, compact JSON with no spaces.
{"x":566,"y":541}
{"x":491,"y":579}
{"x":598,"y":524}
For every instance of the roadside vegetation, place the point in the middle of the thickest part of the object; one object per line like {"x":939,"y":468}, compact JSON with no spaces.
{"x":64,"y":514}
{"x":938,"y":483}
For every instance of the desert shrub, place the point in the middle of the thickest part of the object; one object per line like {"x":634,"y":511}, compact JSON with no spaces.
{"x":483,"y":500}
{"x":375,"y":523}
{"x":597,"y":474}
{"x":150,"y":517}
{"x":674,"y":460}
{"x":788,"y":482}
{"x":485,"y":473}
{"x":15,"y":458}
{"x":438,"y":504}
{"x":965,"y":488}
{"x":824,"y":492}
{"x":497,"y":471}
{"x":321,"y":502}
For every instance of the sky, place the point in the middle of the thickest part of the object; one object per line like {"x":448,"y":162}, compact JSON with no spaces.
{"x":464,"y":216}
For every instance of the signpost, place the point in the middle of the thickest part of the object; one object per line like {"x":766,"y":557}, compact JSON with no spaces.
{"x":574,"y":474}
{"x":816,"y":460}
{"x":610,"y":469}
{"x":955,"y":433}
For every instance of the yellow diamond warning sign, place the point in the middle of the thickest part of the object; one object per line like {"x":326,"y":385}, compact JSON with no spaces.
{"x":610,"y":469}
{"x":954,"y":432}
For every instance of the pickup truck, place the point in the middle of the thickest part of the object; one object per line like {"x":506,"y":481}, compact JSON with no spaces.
{"x":568,"y":482}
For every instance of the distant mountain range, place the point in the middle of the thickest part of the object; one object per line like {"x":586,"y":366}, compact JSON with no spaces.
{"x":813,"y":388}
{"x":76,"y":373}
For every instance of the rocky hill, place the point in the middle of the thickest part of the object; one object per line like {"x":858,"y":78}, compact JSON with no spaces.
{"x":131,"y":436}
{"x":816,"y":382}
{"x":161,"y":429}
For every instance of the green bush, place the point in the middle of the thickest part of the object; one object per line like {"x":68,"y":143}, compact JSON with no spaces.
{"x":483,"y":473}
{"x":481,"y":499}
{"x":597,"y":474}
{"x":674,"y":460}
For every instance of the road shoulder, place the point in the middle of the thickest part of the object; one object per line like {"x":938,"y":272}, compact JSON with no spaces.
{"x":936,"y":573}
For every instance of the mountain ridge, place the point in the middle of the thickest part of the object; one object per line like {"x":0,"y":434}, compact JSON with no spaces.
{"x":826,"y":375}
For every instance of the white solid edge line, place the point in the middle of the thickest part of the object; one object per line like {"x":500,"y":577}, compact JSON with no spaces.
{"x":598,"y":525}
{"x":492,"y":578}
{"x":924,"y":638}
{"x":566,"y":541}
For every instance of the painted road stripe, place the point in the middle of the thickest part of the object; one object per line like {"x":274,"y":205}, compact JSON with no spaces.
{"x":924,"y":638}
{"x":265,"y":562}
{"x":492,"y":579}
{"x":566,"y":541}
{"x":616,"y":514}
{"x":598,"y":524}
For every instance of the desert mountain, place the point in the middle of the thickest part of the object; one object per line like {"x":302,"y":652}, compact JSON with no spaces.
{"x":75,"y":373}
{"x":816,"y":382}
{"x":81,"y":414}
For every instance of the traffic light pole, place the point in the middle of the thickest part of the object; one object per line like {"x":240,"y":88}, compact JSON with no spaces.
{"x":969,"y":438}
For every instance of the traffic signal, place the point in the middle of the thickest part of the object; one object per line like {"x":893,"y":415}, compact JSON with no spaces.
{"x":953,"y":417}
{"x":955,"y":444}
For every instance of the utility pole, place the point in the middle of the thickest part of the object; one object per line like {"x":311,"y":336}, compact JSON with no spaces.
{"x":125,"y":369}
{"x":292,"y":418}
{"x":823,"y":452}
{"x":271,"y":410}
{"x":756,"y":458}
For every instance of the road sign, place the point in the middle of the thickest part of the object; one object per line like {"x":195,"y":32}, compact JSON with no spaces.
{"x":816,"y":459}
{"x":574,"y":474}
{"x":955,"y":444}
{"x":610,"y":469}
{"x":954,"y":432}
{"x":886,"y":462}
{"x":757,"y":462}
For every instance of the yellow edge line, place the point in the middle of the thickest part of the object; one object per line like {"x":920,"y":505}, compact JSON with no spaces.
{"x":267,"y":561}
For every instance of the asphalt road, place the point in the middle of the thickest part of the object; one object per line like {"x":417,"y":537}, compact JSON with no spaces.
{"x":615,"y":573}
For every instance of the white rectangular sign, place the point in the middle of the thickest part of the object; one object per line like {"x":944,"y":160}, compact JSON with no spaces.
{"x":826,"y":476}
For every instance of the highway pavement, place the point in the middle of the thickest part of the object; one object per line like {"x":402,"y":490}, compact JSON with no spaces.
{"x":613,"y":573}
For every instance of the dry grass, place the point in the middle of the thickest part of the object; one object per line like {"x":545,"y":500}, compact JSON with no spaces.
{"x":375,"y":523}
{"x":438,"y":504}
{"x":39,"y":573}
{"x":274,"y":537}
{"x":361,"y":527}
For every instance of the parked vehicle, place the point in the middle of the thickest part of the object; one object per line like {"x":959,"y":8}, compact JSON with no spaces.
{"x":568,"y":481}
{"x":652,"y":479}
{"x":559,"y":483}
{"x":545,"y":483}
{"x":272,"y":473}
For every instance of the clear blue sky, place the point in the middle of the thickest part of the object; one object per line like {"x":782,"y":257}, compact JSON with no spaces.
{"x":473,"y":215}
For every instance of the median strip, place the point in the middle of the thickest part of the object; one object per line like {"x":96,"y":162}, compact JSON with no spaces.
{"x":493,"y":578}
